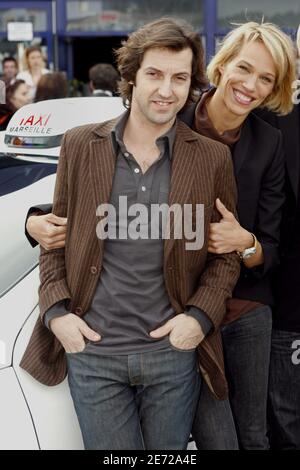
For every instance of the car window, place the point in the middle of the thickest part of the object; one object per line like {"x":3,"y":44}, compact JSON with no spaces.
{"x":22,"y":185}
{"x":17,"y":174}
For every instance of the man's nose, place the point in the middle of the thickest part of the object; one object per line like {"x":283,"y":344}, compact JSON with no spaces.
{"x":165,"y":89}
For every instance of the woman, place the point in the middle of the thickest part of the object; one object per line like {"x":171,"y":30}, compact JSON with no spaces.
{"x":17,"y":95}
{"x":35,"y":65}
{"x":253,"y":68}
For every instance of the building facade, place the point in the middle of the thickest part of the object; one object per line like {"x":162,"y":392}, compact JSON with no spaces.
{"x":75,"y":34}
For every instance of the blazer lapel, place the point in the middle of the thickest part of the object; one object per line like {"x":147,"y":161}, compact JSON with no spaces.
{"x":182,"y":176}
{"x":242,"y":148}
{"x":102,"y":169}
{"x":102,"y":162}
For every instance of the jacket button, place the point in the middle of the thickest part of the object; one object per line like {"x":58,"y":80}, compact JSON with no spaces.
{"x":93,"y":270}
{"x":170,"y":268}
{"x":78,"y":311}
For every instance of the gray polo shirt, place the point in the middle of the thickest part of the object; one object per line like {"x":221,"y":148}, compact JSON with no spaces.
{"x":130,"y":299}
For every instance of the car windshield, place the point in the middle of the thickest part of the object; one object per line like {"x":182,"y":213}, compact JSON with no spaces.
{"x":16,"y":174}
{"x":22,"y":184}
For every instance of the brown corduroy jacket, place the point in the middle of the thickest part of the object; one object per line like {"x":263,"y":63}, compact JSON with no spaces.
{"x":201,"y":171}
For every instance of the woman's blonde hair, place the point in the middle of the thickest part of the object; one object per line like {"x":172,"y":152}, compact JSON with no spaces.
{"x":282,"y":51}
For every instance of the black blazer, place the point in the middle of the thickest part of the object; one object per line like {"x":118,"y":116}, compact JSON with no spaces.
{"x":258,"y":160}
{"x":286,"y":280}
{"x":290,"y":128}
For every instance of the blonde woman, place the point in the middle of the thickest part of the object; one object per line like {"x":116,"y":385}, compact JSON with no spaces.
{"x":35,"y":69}
{"x":254,"y":68}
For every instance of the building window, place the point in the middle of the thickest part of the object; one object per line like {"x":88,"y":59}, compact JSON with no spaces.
{"x":284,"y":14}
{"x":128,"y":15}
{"x":35,"y":16}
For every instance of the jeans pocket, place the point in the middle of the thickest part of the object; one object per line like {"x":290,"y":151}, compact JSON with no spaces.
{"x":174,"y":348}
{"x":78,"y":352}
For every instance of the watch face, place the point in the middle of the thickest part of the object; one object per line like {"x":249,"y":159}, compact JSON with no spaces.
{"x":249,"y":252}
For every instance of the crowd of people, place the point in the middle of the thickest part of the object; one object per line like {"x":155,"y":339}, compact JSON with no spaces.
{"x":37,"y":83}
{"x":160,"y":341}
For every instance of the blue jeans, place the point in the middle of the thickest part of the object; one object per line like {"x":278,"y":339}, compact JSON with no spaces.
{"x":284,"y":392}
{"x":241,"y":421}
{"x":247,"y":347}
{"x":134,"y":402}
{"x":213,"y":427}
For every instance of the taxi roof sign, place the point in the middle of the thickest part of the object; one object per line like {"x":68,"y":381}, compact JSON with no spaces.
{"x":37,"y":128}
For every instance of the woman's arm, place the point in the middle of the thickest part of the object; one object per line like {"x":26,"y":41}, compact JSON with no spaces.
{"x":228,"y":235}
{"x":46,"y":229}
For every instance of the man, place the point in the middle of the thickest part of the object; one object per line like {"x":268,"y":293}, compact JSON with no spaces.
{"x":284,"y":381}
{"x":10,"y":70}
{"x":103,"y":80}
{"x":135,"y":383}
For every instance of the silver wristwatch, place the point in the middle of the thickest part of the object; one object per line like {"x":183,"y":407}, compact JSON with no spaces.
{"x":248,"y":252}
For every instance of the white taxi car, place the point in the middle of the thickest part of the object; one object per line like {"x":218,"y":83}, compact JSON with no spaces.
{"x":33,"y":416}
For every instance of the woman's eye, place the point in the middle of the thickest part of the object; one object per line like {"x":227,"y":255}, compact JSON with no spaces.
{"x":242,"y":67}
{"x":266,"y":80}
